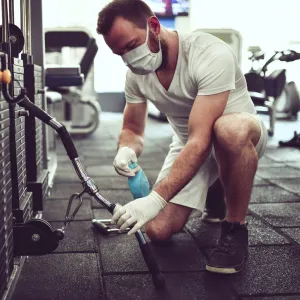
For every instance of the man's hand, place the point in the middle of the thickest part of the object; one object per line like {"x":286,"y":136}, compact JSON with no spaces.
{"x":124,"y":157}
{"x":139,"y":211}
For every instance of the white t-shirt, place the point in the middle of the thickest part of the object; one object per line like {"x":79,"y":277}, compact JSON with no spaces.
{"x":206,"y":65}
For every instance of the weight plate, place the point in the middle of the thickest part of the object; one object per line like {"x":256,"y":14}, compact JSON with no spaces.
{"x":4,"y":161}
{"x":21,"y":156}
{"x":19,"y":77}
{"x":18,"y":62}
{"x":18,"y":84}
{"x":4,"y":133}
{"x":20,"y":144}
{"x":16,"y":39}
{"x":19,"y":119}
{"x":41,"y":224}
{"x":4,"y":152}
{"x":4,"y":114}
{"x":38,"y":68}
{"x":4,"y":123}
{"x":20,"y":127}
{"x":4,"y":105}
{"x":4,"y":143}
{"x":20,"y":134}
{"x":17,"y":69}
{"x":5,"y":180}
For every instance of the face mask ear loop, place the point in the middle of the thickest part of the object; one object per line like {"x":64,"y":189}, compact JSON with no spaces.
{"x":147,"y":34}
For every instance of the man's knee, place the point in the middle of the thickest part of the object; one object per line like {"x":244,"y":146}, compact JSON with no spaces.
{"x":234,"y":132}
{"x":157,"y":232}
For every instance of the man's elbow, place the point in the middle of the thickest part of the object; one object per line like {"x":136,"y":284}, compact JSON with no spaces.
{"x":201,"y":144}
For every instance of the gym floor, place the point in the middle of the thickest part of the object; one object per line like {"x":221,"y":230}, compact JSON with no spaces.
{"x":90,"y":266}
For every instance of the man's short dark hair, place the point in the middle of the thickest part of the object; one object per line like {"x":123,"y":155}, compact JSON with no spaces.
{"x":135,"y":11}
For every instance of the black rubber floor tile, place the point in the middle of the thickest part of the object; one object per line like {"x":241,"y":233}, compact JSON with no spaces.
{"x":283,"y":154}
{"x":181,"y":254}
{"x":101,"y":213}
{"x":278,"y":215}
{"x":97,"y":154}
{"x":55,"y":210}
{"x":112,"y":182}
{"x":259,"y":181}
{"x":293,"y":233}
{"x":265,"y":161}
{"x":261,"y":234}
{"x":295,"y":165}
{"x":179,"y":286}
{"x":272,"y":194}
{"x":152,"y":176}
{"x":272,"y":297}
{"x":79,"y":237}
{"x":115,"y":196}
{"x":66,"y":176}
{"x":270,"y":270}
{"x":205,"y":234}
{"x":151,"y":163}
{"x":65,"y":190}
{"x":278,"y":172}
{"x":101,"y":170}
{"x":291,"y":185}
{"x":121,"y":253}
{"x":60,"y":277}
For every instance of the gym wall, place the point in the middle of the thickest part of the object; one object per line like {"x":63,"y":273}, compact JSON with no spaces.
{"x":259,"y":22}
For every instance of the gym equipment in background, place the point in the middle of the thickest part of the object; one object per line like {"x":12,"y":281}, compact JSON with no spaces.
{"x":36,"y":236}
{"x":270,"y":92}
{"x":69,"y":80}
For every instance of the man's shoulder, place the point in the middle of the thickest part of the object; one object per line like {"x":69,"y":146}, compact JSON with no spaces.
{"x":199,"y":39}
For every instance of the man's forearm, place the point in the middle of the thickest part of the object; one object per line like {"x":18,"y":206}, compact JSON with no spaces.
{"x":132,"y":140}
{"x":184,"y":168}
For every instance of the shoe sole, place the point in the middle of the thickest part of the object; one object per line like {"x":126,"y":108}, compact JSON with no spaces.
{"x":232,"y":270}
{"x":222,"y":270}
{"x":211,"y":220}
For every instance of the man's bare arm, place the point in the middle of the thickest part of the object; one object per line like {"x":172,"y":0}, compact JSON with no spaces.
{"x":132,"y":134}
{"x":206,"y":110}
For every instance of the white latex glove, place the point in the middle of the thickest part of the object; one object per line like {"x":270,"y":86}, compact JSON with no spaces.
{"x":123,"y":158}
{"x":139,"y":211}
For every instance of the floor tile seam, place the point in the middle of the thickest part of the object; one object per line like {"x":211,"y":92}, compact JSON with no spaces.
{"x":265,"y":222}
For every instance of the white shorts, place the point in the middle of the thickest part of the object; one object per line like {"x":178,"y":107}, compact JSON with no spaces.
{"x":194,"y":194}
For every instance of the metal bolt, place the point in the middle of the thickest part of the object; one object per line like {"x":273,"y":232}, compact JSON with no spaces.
{"x":36,"y":237}
{"x":23,"y":113}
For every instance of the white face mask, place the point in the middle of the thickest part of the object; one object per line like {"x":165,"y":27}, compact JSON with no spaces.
{"x":141,"y":60}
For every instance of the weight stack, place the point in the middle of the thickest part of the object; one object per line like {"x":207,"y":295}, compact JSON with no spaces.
{"x":22,"y":210}
{"x":6,"y":216}
{"x":37,"y":177}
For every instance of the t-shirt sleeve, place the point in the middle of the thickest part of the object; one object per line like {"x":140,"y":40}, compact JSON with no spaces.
{"x":132,"y":92}
{"x":214,"y":69}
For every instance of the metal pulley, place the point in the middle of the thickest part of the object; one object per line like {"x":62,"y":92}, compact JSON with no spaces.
{"x":35,"y":237}
{"x":16,"y":39}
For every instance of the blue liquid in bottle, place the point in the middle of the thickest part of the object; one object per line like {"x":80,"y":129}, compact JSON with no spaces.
{"x":139,"y":184}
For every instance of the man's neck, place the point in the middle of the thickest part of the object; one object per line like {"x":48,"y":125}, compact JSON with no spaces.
{"x":172,"y":41}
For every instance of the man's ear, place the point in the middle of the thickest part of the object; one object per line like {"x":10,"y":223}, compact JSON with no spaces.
{"x":154,"y":25}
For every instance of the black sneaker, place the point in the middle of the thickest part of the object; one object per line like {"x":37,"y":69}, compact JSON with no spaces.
{"x":231,"y":252}
{"x":215,"y":209}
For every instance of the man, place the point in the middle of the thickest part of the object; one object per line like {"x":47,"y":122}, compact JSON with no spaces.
{"x":195,"y":80}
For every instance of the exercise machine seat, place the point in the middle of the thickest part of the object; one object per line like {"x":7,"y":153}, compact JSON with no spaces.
{"x":258,"y":98}
{"x":64,"y":77}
